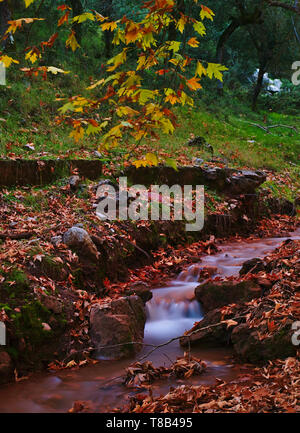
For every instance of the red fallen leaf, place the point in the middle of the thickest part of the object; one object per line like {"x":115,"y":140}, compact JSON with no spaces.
{"x":272,"y":326}
{"x":106,"y":282}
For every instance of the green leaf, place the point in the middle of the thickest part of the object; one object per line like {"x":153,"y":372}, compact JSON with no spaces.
{"x":171,"y":163}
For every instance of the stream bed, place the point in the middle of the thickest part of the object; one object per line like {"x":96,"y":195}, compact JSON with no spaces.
{"x":170,"y":313}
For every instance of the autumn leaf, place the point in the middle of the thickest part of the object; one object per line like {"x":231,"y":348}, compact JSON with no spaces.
{"x":151,"y":158}
{"x":215,"y":70}
{"x":200,"y":70}
{"x":55,"y":70}
{"x":7,"y":61}
{"x":83,"y":17}
{"x":199,"y":28}
{"x":72,"y":41}
{"x":109,"y":26}
{"x":193,"y":42}
{"x":206,"y":13}
{"x":193,"y":83}
{"x":63,"y":19}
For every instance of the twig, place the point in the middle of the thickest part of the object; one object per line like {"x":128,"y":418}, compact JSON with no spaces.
{"x":267,"y":128}
{"x":155,"y":347}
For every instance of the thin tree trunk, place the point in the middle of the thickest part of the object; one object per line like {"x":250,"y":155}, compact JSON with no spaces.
{"x":258,"y":86}
{"x":77,"y":10}
{"x":5,"y":15}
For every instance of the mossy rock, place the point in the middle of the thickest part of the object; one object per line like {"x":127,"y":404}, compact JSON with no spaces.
{"x":19,"y":279}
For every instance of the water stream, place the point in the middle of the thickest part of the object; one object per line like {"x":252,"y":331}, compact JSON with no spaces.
{"x":171,"y":312}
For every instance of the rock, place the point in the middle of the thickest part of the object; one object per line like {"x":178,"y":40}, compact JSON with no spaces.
{"x":29,"y":146}
{"x":249,"y":346}
{"x":198,"y":161}
{"x":74,"y":182}
{"x":56,"y":240}
{"x":252,"y":266}
{"x":79,"y":240}
{"x":140,"y":289}
{"x":216,"y":294}
{"x":214,"y":336}
{"x":6,"y":367}
{"x":282,"y":206}
{"x":97,"y":154}
{"x":52,"y":303}
{"x":264,"y":283}
{"x":46,"y":327}
{"x":120,"y":321}
{"x":245,"y":181}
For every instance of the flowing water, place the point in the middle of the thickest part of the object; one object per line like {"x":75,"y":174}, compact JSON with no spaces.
{"x":171,"y":312}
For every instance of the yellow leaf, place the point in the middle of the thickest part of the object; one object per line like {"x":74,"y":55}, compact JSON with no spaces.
{"x":214,"y":70}
{"x":126,"y":111}
{"x":7,"y":61}
{"x":28,"y":2}
{"x":199,"y":28}
{"x":83,"y":17}
{"x":109,"y":26}
{"x":174,"y":46}
{"x":181,"y":23}
{"x":32,"y":56}
{"x":193,"y":42}
{"x":118,"y":60}
{"x":200,"y":70}
{"x":151,"y":158}
{"x":98,"y":83}
{"x":167,"y":126}
{"x":72,"y":41}
{"x":78,"y":133}
{"x":140,"y":163}
{"x":206,"y":13}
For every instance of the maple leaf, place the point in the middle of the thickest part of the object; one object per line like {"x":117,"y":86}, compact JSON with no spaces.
{"x":28,"y":2}
{"x":181,"y":23}
{"x":199,"y":28}
{"x":151,"y":158}
{"x":215,"y":69}
{"x":193,"y":42}
{"x":83,"y":17}
{"x":109,"y":26}
{"x":72,"y":41}
{"x":206,"y":13}
{"x":193,"y":83}
{"x":7,"y":61}
{"x":200,"y":70}
{"x":64,"y":19}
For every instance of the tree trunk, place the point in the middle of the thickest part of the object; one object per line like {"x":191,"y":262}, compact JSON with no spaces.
{"x":77,"y":10}
{"x":5,"y":16}
{"x":220,"y":47}
{"x":258,"y":86}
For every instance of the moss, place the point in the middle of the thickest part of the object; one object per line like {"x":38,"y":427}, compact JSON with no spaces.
{"x":19,"y":279}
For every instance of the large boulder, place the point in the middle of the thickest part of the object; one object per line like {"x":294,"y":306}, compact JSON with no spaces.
{"x":79,"y":240}
{"x":215,"y":294}
{"x":251,"y":347}
{"x":118,"y":322}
